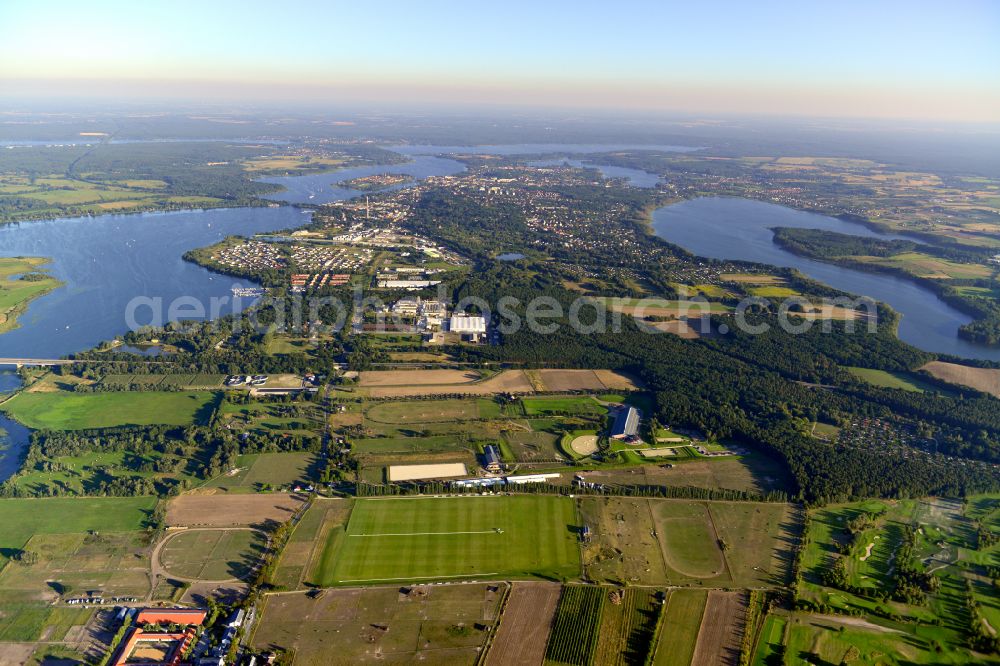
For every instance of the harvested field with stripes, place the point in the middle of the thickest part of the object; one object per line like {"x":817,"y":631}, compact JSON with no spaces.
{"x":525,"y":625}
{"x":721,"y":630}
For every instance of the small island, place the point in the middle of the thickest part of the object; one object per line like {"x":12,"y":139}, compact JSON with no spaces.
{"x":21,"y":281}
{"x":376,"y":182}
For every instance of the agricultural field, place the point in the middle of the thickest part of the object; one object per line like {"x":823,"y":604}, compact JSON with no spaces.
{"x":986,"y":380}
{"x":927,"y":266}
{"x":686,"y":542}
{"x":424,"y":383}
{"x":150,"y":382}
{"x":74,"y":411}
{"x":576,"y":628}
{"x":571,"y":405}
{"x":658,"y":307}
{"x":23,"y":518}
{"x":286,"y":164}
{"x":56,"y":194}
{"x":22,"y":279}
{"x":73,"y":563}
{"x":214,"y":555}
{"x":557,"y":381}
{"x":678,"y":635}
{"x":852,"y":562}
{"x":721,"y":631}
{"x":263,"y":471}
{"x":526,"y":624}
{"x":754,"y":473}
{"x":66,"y":547}
{"x":896,"y":380}
{"x":374,"y":378}
{"x":209,"y":508}
{"x":773,"y":291}
{"x":410,"y":539}
{"x":443,"y":624}
{"x":628,"y":628}
{"x":433,"y":411}
{"x":409,"y":445}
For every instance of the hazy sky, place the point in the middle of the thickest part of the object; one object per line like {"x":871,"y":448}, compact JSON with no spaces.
{"x":936,"y":60}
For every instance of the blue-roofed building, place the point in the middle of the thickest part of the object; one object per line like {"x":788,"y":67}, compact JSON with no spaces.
{"x":491,"y":459}
{"x":626,"y":424}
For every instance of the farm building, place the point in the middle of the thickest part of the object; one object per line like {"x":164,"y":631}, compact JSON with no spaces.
{"x":181,"y":616}
{"x":626,"y":424}
{"x":491,"y":459}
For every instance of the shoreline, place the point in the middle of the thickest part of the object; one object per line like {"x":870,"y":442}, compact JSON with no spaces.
{"x":9,"y":317}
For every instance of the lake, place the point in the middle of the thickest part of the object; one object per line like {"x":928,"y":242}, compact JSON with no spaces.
{"x":107,"y":261}
{"x":730,"y":228}
{"x":322,"y":187}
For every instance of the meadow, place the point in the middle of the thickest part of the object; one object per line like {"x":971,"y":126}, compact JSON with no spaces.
{"x":71,"y":411}
{"x":440,"y":538}
{"x":22,"y":518}
{"x":887,"y":379}
{"x":575,"y":405}
{"x":213,"y":555}
{"x":15,"y":293}
{"x":79,"y":544}
{"x":440,"y":624}
{"x":430,"y":411}
{"x":688,"y":542}
{"x":678,"y":633}
{"x":256,"y":471}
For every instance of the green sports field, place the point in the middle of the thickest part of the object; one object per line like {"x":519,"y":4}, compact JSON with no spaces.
{"x":426,"y":538}
{"x":65,"y":410}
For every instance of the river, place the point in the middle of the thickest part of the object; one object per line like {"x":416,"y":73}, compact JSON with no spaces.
{"x":729,"y":228}
{"x":13,"y":435}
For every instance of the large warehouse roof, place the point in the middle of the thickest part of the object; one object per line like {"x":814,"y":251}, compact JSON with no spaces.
{"x":467,"y":324}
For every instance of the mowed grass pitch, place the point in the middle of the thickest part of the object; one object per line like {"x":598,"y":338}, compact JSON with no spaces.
{"x":74,"y":411}
{"x":458,"y":537}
